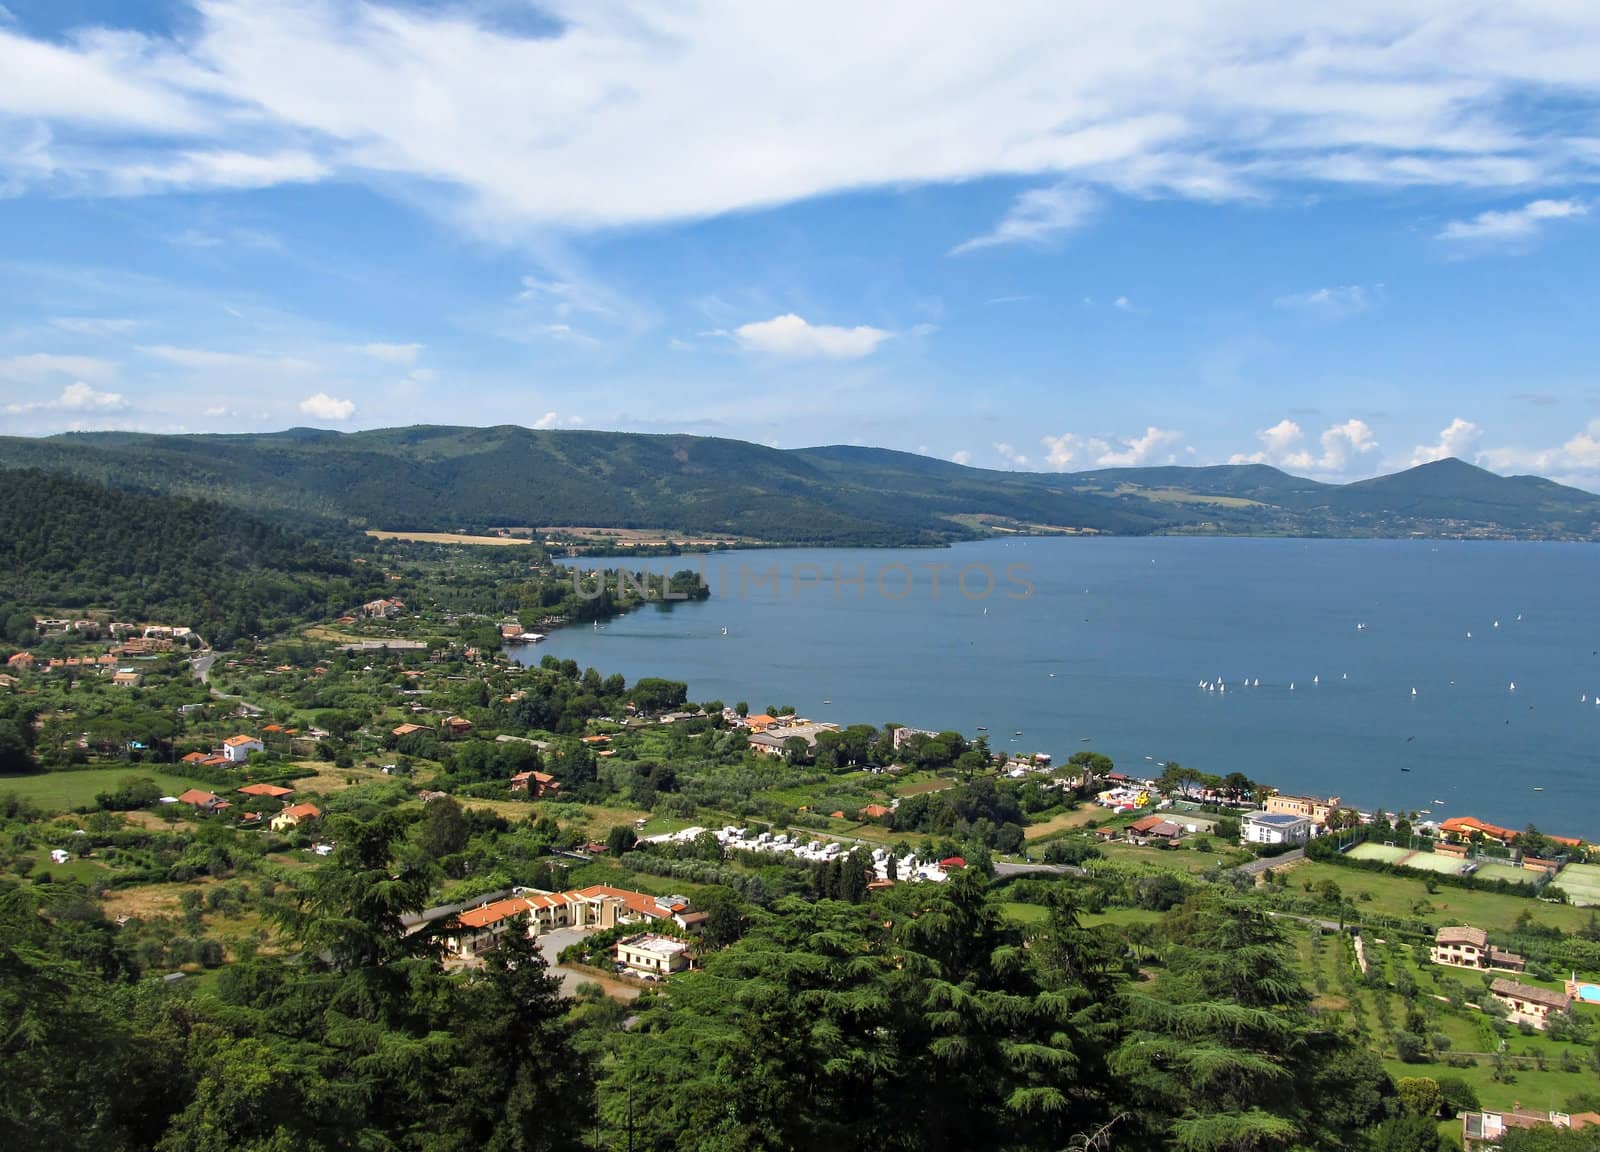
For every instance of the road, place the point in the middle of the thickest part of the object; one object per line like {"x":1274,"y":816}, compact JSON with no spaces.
{"x":1002,"y":868}
{"x":550,"y":946}
{"x":201,"y":666}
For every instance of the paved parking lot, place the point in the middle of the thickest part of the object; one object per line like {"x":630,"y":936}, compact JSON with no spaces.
{"x":550,"y":946}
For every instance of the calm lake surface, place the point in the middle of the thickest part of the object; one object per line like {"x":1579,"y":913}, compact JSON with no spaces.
{"x":1108,"y":651}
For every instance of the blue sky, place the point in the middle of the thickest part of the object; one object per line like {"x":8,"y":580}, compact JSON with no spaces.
{"x":1079,"y":237}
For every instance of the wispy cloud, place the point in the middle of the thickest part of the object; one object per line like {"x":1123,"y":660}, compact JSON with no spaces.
{"x":791,"y":335}
{"x":1150,"y":100}
{"x":211,"y":360}
{"x":1038,"y":216}
{"x":1512,"y":225}
{"x":1344,"y":300}
{"x":556,"y":420}
{"x":46,"y":367}
{"x":97,"y":326}
{"x":393,"y":353}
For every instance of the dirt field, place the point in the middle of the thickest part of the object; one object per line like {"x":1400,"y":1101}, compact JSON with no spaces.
{"x":638,"y":537}
{"x":1077,"y":818}
{"x":446,"y":538}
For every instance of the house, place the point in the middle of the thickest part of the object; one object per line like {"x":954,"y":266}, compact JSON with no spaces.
{"x":950,"y":862}
{"x":126,"y":678}
{"x":1465,"y":827}
{"x":267,"y":791}
{"x":195,"y":758}
{"x":59,"y":856}
{"x":1274,"y":828}
{"x":650,"y":955}
{"x":408,"y":729}
{"x":479,"y":929}
{"x":1529,"y":1004}
{"x":292,"y":816}
{"x":237,"y":749}
{"x":536,"y":784}
{"x":1310,"y":807}
{"x":1464,"y":947}
{"x":455,"y":725}
{"x":205,"y":801}
{"x":1154,"y":828}
{"x":383,"y":609}
{"x":8,"y":681}
{"x":692,"y":921}
{"x":1481,"y":1131}
{"x":876,"y":812}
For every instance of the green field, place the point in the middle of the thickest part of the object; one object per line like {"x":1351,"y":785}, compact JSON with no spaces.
{"x":1581,"y":882}
{"x":64,"y":791}
{"x":1397,"y":895}
{"x":1507,"y":872}
{"x":1372,"y":850}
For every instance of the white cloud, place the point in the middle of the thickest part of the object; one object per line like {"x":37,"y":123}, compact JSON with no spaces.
{"x":98,"y":326}
{"x":325,"y":407}
{"x":1459,"y":439}
{"x":393,"y":353}
{"x":1516,"y":224}
{"x":1575,"y":461}
{"x":1188,"y":100}
{"x":1283,"y":447}
{"x":556,"y":420}
{"x":1070,"y":449}
{"x":46,"y":367}
{"x":211,"y":360}
{"x":962,"y":456}
{"x":1038,"y":216}
{"x":1341,"y":301}
{"x":1010,"y":455}
{"x":78,"y":397}
{"x":790,"y":335}
{"x":1123,"y":303}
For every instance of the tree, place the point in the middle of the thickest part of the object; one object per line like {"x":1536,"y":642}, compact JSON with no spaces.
{"x":1419,"y":1095}
{"x":620,"y":839}
{"x":1406,"y":1134}
{"x":443,"y":829}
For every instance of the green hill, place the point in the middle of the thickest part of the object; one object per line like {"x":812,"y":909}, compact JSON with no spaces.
{"x":73,"y":545}
{"x":429,"y":478}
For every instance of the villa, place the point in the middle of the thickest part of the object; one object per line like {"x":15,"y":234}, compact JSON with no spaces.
{"x":1528,"y":1004}
{"x":1464,"y":947}
{"x":650,"y":955}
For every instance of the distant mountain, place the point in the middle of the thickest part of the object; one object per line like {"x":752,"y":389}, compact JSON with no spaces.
{"x":441,"y":478}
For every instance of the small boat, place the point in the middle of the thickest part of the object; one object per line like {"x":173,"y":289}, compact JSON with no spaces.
{"x":1257,"y":684}
{"x":1084,"y":739}
{"x":1519,"y":617}
{"x":1019,"y":731}
{"x":1440,"y":803}
{"x":724,"y":630}
{"x":1316,"y":680}
{"x":1497,"y":623}
{"x":1346,"y":676}
{"x":827,"y":701}
{"x":1413,"y":691}
{"x":1513,"y":687}
{"x":981,"y":728}
{"x":1538,"y":788}
{"x":1405,"y":769}
{"x":1291,"y":685}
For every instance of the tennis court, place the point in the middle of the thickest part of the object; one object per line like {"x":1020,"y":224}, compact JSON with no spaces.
{"x":1581,"y":882}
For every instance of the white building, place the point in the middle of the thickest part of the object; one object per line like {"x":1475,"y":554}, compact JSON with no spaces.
{"x":237,"y":749}
{"x":651,"y":955}
{"x":1274,"y":828}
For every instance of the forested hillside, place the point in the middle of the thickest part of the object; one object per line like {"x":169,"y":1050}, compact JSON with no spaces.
{"x":441,"y":479}
{"x":70,"y":545}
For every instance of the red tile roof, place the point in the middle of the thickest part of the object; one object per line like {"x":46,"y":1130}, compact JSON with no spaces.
{"x":271,"y":790}
{"x":302,"y":812}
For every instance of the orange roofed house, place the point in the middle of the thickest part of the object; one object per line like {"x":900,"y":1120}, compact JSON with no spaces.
{"x":205,"y":801}
{"x":536,"y":784}
{"x":292,"y":816}
{"x":598,"y":906}
{"x":268,"y":791}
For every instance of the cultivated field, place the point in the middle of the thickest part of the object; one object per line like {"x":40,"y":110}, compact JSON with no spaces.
{"x":638,"y":537}
{"x":1396,"y":895}
{"x":446,"y":538}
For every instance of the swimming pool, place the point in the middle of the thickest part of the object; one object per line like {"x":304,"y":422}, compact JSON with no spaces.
{"x":1588,"y":993}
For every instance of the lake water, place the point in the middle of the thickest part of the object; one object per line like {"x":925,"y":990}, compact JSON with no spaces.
{"x":1108,"y":650}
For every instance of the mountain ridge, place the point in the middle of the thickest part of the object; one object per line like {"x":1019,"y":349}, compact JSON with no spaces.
{"x":442,"y":477}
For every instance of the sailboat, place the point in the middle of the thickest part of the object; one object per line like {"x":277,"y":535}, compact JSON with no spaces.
{"x":1316,"y":680}
{"x":1257,"y":684}
{"x":1291,"y":685}
{"x":1413,"y":691}
{"x":724,"y":629}
{"x":1513,"y":687}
